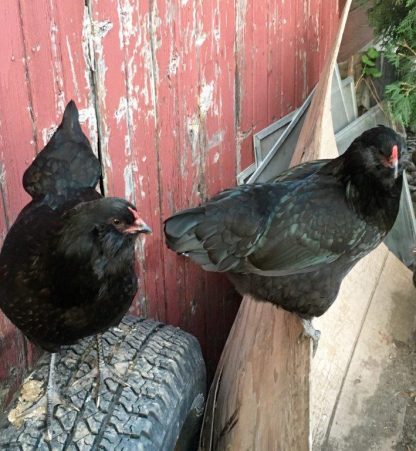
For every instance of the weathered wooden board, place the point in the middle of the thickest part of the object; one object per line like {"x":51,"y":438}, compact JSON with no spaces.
{"x":261,"y":397}
{"x":12,"y":144}
{"x":170,"y":93}
{"x":317,"y":131}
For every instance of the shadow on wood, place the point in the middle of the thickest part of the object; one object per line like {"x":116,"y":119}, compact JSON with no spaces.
{"x":259,"y":399}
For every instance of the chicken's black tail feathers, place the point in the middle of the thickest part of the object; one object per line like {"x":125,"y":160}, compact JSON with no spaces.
{"x":180,"y":231}
{"x":70,"y":125}
{"x":65,"y":164}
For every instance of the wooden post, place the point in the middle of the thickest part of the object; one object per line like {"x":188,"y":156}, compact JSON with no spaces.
{"x":259,"y":399}
{"x":261,"y":385}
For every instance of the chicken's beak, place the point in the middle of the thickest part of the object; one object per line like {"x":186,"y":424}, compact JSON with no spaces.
{"x":142,"y":227}
{"x":396,"y":169}
{"x":139,"y":226}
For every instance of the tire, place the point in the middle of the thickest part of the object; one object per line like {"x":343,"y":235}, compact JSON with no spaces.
{"x":160,"y":408}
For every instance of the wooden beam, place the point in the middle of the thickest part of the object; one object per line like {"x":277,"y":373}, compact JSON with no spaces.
{"x":317,"y":136}
{"x":259,"y":399}
{"x":262,"y":381}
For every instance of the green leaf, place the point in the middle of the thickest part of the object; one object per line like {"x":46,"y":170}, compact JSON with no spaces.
{"x":373,"y":72}
{"x":372,"y":53}
{"x":366,"y":60}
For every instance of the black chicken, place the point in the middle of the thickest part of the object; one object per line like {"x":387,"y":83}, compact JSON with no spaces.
{"x":67,"y":266}
{"x":293,"y":241}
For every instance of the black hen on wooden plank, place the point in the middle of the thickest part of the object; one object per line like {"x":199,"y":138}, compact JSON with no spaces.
{"x":293,"y":241}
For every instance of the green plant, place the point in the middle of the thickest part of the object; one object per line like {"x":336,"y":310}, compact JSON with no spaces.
{"x":369,"y":63}
{"x":394,"y":22}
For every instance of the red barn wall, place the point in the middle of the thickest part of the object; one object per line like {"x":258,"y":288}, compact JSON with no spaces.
{"x":170,"y":94}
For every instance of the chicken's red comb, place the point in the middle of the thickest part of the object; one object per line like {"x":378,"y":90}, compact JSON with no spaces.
{"x":134,"y":213}
{"x":395,"y":152}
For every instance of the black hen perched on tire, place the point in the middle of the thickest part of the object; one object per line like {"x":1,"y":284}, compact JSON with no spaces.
{"x":291,"y":242}
{"x":67,"y":266}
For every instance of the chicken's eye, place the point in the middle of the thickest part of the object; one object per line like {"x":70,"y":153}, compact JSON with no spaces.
{"x":116,"y":221}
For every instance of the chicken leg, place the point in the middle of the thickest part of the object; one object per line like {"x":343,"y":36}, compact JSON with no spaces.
{"x":101,"y":371}
{"x":310,"y":332}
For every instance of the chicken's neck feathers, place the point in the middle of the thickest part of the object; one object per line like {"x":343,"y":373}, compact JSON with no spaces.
{"x":372,"y":195}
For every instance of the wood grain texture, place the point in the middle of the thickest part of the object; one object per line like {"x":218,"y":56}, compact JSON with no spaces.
{"x":260,"y":397}
{"x":317,"y":131}
{"x":358,"y":32}
{"x":170,"y":93}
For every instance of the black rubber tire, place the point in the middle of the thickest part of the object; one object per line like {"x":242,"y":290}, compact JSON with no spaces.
{"x":160,"y":409}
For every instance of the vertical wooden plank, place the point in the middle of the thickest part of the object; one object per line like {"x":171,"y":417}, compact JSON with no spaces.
{"x":44,"y":70}
{"x":191,"y":95}
{"x":73,"y":39}
{"x":313,"y":39}
{"x":275,"y":66}
{"x":301,"y":88}
{"x":261,"y":23}
{"x":16,"y":152}
{"x":244,"y":82}
{"x":141,"y":38}
{"x":108,"y":64}
{"x":172,"y":60}
{"x":125,"y":108}
{"x":217,"y":125}
{"x":184,"y":188}
{"x":289,"y":80}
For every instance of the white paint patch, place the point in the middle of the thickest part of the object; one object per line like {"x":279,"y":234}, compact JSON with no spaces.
{"x":148,"y":56}
{"x":193,"y":126}
{"x":127,"y":145}
{"x":121,"y":111}
{"x":206,"y":98}
{"x":184,"y":2}
{"x":86,"y":114}
{"x":200,"y":39}
{"x":173,"y":64}
{"x":87,"y":43}
{"x":2,"y":172}
{"x":99,"y":31}
{"x":125,"y":16}
{"x":101,"y":28}
{"x":216,"y":157}
{"x":142,"y":191}
{"x":47,"y":133}
{"x":129,"y":186}
{"x":216,"y":139}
